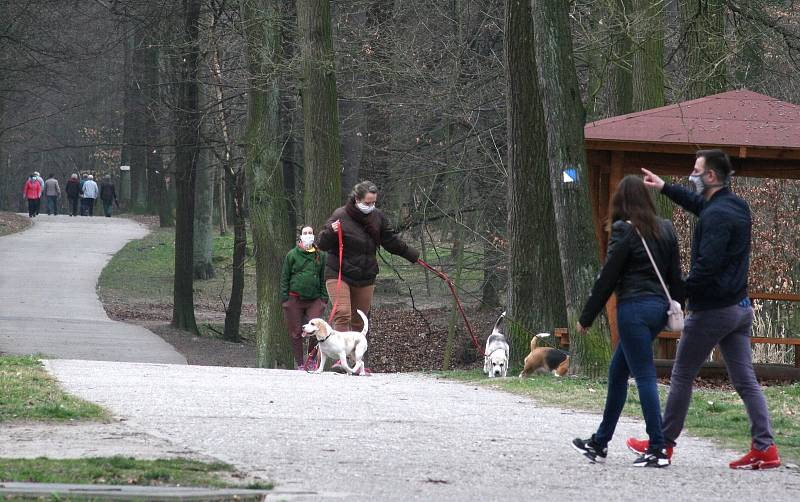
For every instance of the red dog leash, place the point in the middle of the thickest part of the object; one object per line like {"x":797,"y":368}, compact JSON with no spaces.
{"x":441,"y":275}
{"x":313,"y":353}
{"x":339,"y":279}
{"x":449,"y":283}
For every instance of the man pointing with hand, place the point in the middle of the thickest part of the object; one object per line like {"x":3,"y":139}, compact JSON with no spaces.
{"x":720,"y":310}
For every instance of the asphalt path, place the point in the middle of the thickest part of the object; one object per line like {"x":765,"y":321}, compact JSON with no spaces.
{"x":48,"y":298}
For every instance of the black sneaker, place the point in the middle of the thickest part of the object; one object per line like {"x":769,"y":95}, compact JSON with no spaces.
{"x":653,"y":458}
{"x":591,"y":450}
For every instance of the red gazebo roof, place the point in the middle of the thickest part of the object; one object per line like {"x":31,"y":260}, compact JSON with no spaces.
{"x":731,"y":119}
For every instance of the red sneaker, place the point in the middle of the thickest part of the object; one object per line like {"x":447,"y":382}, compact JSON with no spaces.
{"x":639,"y":447}
{"x":757,"y":459}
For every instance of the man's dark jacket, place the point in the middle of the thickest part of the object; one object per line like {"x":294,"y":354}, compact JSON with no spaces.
{"x":720,"y":247}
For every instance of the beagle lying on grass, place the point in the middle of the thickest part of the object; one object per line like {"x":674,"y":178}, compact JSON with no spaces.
{"x":543,"y":359}
{"x":339,"y":344}
{"x":495,"y":357}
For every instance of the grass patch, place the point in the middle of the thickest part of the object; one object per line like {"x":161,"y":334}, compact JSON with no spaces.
{"x":11,"y":223}
{"x":120,"y":470}
{"x":27,"y":392}
{"x":144,"y":270}
{"x":717,"y":414}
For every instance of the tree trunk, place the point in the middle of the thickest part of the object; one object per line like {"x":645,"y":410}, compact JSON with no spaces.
{"x":268,"y":215}
{"x":322,"y":148}
{"x":204,"y":218}
{"x":187,"y":142}
{"x":561,"y":102}
{"x":222,"y":173}
{"x":648,"y":70}
{"x":492,"y":271}
{"x":622,"y":76}
{"x":135,"y":116}
{"x":220,"y":196}
{"x":351,"y":110}
{"x":534,"y":272}
{"x":135,"y":112}
{"x":294,"y":190}
{"x":452,"y":323}
{"x":706,"y":52}
{"x":648,"y":59}
{"x":233,"y":313}
{"x":155,"y":167}
{"x":750,"y":63}
{"x":204,"y":201}
{"x":4,"y":161}
{"x":166,"y":217}
{"x":377,"y":131}
{"x":291,"y":121}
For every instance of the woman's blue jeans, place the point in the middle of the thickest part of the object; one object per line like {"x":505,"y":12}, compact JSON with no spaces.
{"x":639,"y":320}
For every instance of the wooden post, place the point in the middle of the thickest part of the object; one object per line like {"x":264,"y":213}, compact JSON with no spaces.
{"x":602,"y":191}
{"x":617,"y":161}
{"x":594,"y":195}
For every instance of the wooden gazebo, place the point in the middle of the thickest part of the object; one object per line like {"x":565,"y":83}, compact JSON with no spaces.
{"x":760,"y":133}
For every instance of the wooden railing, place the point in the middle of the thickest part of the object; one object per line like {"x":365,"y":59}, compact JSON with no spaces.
{"x":667,"y":339}
{"x":780,"y":297}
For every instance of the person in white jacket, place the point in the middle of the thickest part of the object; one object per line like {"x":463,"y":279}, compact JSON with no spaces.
{"x":90,"y":193}
{"x":38,"y":178}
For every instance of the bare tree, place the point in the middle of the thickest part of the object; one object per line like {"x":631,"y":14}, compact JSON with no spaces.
{"x":322,"y":146}
{"x":268,"y":215}
{"x":187,"y":145}
{"x":534,"y":271}
{"x":561,"y":101}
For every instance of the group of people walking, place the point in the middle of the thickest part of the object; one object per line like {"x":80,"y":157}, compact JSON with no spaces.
{"x":309,"y":278}
{"x":642,"y":267}
{"x":642,"y":260}
{"x":82,"y":194}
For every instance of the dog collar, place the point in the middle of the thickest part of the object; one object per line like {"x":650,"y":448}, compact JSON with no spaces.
{"x":329,"y":335}
{"x":490,"y":353}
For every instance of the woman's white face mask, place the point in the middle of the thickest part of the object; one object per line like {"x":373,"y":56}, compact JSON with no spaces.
{"x":307,"y":240}
{"x":364,"y":208}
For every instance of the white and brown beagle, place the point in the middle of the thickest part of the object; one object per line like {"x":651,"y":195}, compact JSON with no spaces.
{"x":545,"y":359}
{"x":495,"y":356}
{"x":339,"y":344}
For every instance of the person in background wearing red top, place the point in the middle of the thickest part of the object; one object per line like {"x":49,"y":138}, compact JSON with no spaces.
{"x":33,"y":194}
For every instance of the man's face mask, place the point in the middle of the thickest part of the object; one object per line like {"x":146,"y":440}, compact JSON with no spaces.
{"x":699,"y":184}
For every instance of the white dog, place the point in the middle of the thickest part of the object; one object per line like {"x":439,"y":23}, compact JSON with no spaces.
{"x":495,"y":360}
{"x":338,"y":344}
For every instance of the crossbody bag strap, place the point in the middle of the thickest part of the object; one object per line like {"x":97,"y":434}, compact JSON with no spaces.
{"x":653,"y":262}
